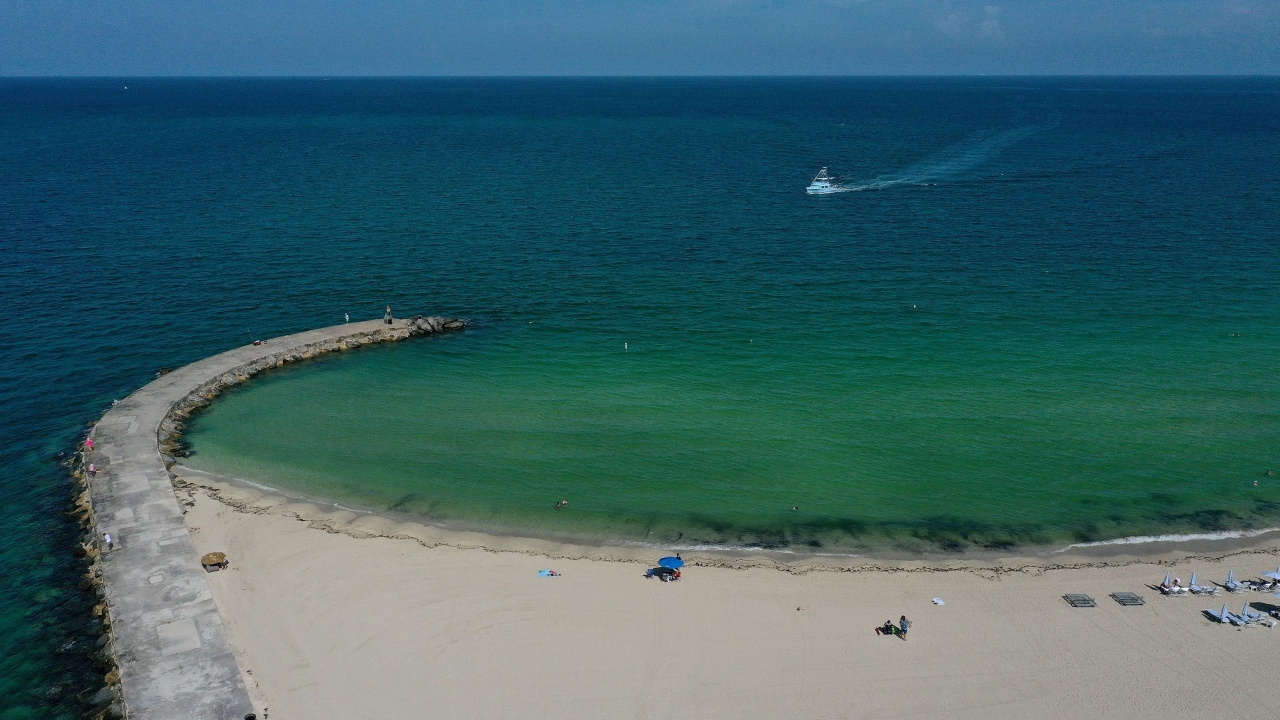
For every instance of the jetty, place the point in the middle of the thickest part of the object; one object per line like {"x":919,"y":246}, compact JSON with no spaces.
{"x":172,"y":655}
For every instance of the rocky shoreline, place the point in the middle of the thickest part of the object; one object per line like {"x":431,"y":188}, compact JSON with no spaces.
{"x":173,"y":426}
{"x":160,"y":643}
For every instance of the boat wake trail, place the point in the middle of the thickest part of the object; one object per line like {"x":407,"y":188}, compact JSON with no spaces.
{"x":951,"y":162}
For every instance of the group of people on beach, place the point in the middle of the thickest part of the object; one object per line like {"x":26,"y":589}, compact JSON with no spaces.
{"x":900,"y":629}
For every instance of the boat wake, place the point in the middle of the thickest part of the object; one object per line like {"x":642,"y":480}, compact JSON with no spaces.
{"x":948,"y":164}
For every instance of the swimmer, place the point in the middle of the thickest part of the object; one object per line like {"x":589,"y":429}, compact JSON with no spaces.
{"x":562,"y":504}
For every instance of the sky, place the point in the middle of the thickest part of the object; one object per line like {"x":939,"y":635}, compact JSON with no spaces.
{"x":638,"y":37}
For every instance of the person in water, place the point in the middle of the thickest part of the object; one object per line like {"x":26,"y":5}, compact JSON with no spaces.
{"x":562,"y":504}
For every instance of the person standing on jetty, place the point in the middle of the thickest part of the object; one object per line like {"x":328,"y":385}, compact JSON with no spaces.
{"x":386,"y":317}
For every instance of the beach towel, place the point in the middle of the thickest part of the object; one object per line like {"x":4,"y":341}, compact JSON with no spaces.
{"x":548,"y":573}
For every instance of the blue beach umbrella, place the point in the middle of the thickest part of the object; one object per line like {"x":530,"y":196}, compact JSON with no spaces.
{"x":671,"y":562}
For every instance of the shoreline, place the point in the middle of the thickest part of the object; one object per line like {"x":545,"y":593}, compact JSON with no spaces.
{"x":252,"y":497}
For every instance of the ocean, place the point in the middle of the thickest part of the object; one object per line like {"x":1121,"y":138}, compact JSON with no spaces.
{"x":1043,"y":311}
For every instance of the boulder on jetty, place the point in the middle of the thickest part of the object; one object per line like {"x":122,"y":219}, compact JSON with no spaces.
{"x":435,"y":324}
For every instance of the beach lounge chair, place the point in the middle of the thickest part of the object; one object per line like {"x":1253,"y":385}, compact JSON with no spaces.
{"x":1222,"y":616}
{"x":1248,"y":614}
{"x":1079,"y":600}
{"x":1201,"y":589}
{"x":1127,"y":599}
{"x":1232,"y":585}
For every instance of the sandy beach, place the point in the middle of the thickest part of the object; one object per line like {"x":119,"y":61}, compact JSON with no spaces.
{"x":332,"y":619}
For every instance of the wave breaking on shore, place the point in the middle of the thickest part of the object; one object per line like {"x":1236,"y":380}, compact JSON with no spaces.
{"x":1172,"y":538}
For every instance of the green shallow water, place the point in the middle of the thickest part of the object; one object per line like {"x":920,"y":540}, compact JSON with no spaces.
{"x":713,"y":439}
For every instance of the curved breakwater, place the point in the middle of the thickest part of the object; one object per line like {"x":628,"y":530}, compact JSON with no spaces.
{"x":164,"y":635}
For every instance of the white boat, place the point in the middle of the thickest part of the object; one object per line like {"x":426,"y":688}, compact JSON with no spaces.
{"x":821,"y":184}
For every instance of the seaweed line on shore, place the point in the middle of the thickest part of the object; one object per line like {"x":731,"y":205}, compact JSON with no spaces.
{"x":429,"y":536}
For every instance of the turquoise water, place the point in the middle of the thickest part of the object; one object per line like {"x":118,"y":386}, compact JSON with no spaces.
{"x":898,"y":431}
{"x":1055,"y":320}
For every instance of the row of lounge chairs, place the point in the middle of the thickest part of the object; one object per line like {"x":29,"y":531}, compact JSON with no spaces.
{"x":1268,"y":582}
{"x":1246,"y":616}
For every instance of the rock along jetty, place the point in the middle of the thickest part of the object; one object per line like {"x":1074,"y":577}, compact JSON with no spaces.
{"x":172,"y":654}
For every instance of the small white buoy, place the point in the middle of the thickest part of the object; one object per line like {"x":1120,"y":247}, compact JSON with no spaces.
{"x":913,"y":307}
{"x":625,"y":348}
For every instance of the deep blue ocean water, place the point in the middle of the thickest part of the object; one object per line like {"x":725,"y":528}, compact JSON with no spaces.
{"x":1102,"y":248}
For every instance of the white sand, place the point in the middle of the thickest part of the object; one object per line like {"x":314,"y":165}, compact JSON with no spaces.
{"x":328,"y":625}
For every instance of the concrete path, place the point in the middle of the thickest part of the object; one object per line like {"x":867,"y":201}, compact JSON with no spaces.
{"x":175,"y":659}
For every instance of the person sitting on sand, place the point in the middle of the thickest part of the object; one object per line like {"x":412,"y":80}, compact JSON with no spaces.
{"x":886,"y":629}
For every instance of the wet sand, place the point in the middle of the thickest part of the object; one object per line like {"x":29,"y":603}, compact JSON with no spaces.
{"x":341,"y":614}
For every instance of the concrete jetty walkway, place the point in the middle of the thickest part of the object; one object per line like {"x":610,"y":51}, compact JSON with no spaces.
{"x":174,"y":657}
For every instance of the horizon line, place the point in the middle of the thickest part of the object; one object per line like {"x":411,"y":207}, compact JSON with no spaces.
{"x":707,"y":76}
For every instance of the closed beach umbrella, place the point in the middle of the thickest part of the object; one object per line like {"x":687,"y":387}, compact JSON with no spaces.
{"x":671,"y":562}
{"x":213,"y":558}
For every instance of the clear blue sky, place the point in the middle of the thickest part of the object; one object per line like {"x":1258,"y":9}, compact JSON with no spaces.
{"x":637,"y":37}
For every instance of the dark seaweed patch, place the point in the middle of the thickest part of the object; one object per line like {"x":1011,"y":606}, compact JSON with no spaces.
{"x":1211,"y":520}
